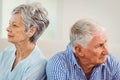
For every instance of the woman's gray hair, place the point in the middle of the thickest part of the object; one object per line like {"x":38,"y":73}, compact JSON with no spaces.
{"x":83,"y":31}
{"x":33,"y":15}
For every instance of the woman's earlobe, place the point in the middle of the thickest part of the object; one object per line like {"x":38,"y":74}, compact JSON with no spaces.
{"x":32,"y":31}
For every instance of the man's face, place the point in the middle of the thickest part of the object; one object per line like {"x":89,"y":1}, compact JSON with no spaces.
{"x":96,"y":51}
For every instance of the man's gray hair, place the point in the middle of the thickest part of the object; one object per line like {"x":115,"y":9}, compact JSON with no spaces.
{"x":83,"y":31}
{"x":33,"y":15}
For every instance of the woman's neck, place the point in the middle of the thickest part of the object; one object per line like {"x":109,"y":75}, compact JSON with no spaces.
{"x":24,"y":49}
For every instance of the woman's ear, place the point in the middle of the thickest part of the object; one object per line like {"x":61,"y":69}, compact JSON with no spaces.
{"x":31,"y":31}
{"x":78,"y":50}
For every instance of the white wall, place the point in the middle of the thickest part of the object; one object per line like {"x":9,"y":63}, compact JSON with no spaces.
{"x":105,"y":12}
{"x":50,"y":5}
{"x":48,"y":47}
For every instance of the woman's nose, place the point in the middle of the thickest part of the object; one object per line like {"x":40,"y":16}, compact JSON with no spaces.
{"x":8,"y":29}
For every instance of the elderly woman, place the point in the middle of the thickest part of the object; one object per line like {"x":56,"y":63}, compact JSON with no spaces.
{"x":24,"y":60}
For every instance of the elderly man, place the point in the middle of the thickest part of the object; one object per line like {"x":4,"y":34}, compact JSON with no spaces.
{"x":86,"y":56}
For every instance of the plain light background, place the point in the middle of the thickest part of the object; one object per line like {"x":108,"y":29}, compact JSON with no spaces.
{"x":64,"y":13}
{"x":105,"y":12}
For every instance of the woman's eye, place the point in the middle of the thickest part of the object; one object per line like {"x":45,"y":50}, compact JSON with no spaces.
{"x":14,"y":25}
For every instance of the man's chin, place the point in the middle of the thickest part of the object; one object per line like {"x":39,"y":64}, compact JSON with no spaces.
{"x":102,"y":61}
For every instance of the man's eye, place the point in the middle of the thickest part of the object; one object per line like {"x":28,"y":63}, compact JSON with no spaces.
{"x":99,"y":46}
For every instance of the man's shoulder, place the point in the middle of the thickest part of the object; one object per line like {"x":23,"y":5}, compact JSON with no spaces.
{"x":60,"y":56}
{"x":112,"y":62}
{"x":59,"y":59}
{"x":57,"y":66}
{"x":112,"y":59}
{"x":112,"y":65}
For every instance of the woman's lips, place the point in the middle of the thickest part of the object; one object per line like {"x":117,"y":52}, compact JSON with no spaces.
{"x":9,"y":36}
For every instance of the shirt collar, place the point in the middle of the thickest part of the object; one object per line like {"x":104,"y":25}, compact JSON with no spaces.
{"x":71,"y":55}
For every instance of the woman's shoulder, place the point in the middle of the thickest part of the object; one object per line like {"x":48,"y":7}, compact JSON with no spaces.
{"x":37,"y":56}
{"x":10,"y":49}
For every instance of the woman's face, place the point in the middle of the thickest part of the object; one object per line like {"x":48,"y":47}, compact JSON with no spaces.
{"x":16,"y":30}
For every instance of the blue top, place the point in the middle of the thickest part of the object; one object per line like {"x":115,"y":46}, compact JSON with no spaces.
{"x":31,"y":68}
{"x":63,"y":66}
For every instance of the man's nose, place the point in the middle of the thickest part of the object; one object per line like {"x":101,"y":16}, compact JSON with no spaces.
{"x":105,"y":50}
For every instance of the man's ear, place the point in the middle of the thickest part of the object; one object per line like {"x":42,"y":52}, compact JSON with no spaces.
{"x":78,"y":50}
{"x":31,"y":31}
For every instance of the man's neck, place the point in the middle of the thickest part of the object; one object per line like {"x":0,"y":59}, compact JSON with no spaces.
{"x":86,"y":67}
